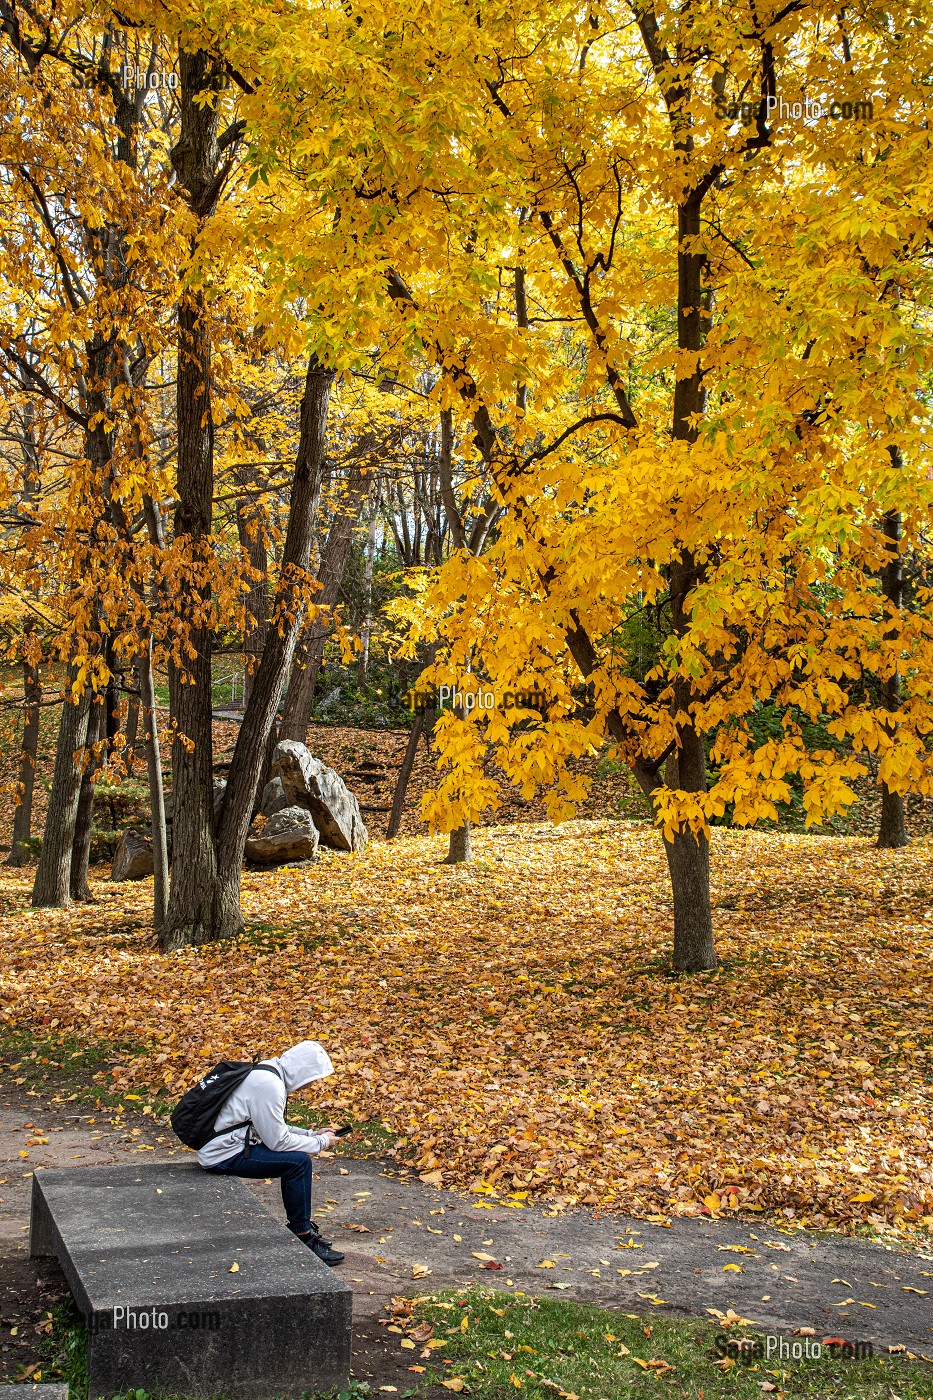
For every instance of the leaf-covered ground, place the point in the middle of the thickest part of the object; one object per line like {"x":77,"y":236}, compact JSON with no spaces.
{"x":513,"y":1025}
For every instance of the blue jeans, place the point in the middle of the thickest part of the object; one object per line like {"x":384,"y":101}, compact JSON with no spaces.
{"x":294,"y":1169}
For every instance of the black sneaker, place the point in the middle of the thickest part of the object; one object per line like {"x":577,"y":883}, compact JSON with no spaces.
{"x":316,"y":1230}
{"x":322,"y":1249}
{"x":315,"y":1234}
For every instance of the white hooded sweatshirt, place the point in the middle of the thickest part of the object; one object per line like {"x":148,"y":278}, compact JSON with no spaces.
{"x":261,"y":1099}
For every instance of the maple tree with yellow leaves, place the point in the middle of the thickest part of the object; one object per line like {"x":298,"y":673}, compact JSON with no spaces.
{"x":686,"y":334}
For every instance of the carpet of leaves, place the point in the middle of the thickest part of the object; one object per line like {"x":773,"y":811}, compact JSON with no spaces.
{"x":515,"y":1027}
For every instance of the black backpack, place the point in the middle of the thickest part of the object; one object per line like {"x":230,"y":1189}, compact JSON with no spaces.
{"x":194,"y":1115}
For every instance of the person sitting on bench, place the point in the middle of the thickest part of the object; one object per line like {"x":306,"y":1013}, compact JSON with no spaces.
{"x":259,"y":1143}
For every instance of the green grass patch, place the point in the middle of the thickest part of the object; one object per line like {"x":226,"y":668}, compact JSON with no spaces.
{"x":504,"y":1345}
{"x":62,"y":1070}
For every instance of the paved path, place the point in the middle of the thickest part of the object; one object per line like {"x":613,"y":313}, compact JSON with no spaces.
{"x":837,"y":1286}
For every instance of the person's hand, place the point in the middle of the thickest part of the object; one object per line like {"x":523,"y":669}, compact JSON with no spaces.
{"x":330,"y":1139}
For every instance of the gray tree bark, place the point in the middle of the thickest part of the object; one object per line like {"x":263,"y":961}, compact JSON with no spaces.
{"x":299,"y":698}
{"x":892,"y":830}
{"x":404,"y":776}
{"x":22,"y":817}
{"x":459,"y":850}
{"x":52,"y":886}
{"x":195,"y":159}
{"x":84,"y":817}
{"x":147,"y":708}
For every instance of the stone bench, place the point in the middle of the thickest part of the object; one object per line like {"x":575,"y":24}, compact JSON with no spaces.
{"x":28,"y":1391}
{"x":147,"y":1252}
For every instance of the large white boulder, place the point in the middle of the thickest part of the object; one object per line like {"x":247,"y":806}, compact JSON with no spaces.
{"x":311,"y":784}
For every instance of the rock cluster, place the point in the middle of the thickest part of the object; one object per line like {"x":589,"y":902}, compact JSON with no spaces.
{"x":305,"y":804}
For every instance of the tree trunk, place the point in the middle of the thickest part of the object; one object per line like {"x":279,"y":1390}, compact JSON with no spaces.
{"x":84,"y":818}
{"x":147,"y":705}
{"x":688,"y":863}
{"x":189,"y":917}
{"x":363,"y":666}
{"x":22,"y":817}
{"x":404,"y":775}
{"x":892,"y":831}
{"x":132,"y":725}
{"x":256,"y":605}
{"x":687,"y":856}
{"x":458,"y":849}
{"x":52,"y":886}
{"x":296,"y":712}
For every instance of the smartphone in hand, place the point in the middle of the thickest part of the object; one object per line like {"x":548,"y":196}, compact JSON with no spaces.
{"x":342,"y":1132}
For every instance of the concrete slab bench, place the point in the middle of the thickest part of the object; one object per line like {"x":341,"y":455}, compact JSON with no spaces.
{"x":147,"y":1252}
{"x":40,"y":1390}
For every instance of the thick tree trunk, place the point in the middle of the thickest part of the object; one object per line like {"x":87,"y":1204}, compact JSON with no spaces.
{"x":892,"y":831}
{"x":296,"y":712}
{"x":22,"y":817}
{"x":459,"y":850}
{"x":147,"y":706}
{"x":189,"y":917}
{"x":688,"y":863}
{"x":190,"y":914}
{"x":687,"y":858}
{"x":52,"y":886}
{"x":688,"y":854}
{"x":84,"y":817}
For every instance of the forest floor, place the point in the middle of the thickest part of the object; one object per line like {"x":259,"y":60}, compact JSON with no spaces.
{"x":510,"y":1030}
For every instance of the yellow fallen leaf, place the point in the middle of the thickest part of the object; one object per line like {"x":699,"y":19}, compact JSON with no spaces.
{"x":455,"y":1383}
{"x":419,"y":1270}
{"x":546,"y":1264}
{"x":732,"y":1269}
{"x":407,"y":1343}
{"x":478,"y":1254}
{"x":921,"y":1291}
{"x":862,"y":1197}
{"x":234,"y":1268}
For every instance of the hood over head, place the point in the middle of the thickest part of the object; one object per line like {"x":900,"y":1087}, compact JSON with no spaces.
{"x":302,"y":1064}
